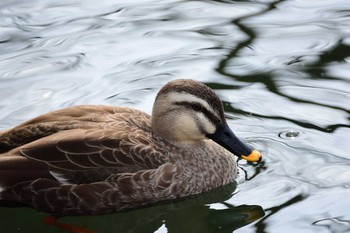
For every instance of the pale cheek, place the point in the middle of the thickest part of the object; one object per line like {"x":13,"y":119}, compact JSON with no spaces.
{"x":186,"y":129}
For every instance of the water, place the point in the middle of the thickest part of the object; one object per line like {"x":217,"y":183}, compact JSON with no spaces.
{"x":281,"y":68}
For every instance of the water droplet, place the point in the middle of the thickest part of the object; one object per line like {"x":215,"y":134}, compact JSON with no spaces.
{"x":289,"y":134}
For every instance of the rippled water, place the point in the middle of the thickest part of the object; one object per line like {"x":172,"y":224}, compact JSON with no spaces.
{"x":281,"y":68}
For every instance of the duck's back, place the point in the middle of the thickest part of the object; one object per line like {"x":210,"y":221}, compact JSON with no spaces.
{"x":78,"y":117}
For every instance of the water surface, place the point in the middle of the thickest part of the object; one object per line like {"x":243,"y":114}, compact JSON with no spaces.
{"x":281,"y":68}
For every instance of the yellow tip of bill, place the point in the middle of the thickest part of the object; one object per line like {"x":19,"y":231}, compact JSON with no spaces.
{"x":255,"y":156}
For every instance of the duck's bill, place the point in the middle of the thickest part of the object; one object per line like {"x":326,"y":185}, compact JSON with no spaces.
{"x":227,"y":139}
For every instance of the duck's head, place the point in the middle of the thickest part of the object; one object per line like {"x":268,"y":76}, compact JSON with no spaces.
{"x":188,"y":111}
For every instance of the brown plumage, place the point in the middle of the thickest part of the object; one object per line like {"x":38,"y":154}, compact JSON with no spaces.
{"x":100,"y":159}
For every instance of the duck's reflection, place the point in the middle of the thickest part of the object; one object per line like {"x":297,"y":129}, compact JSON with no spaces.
{"x":188,"y":215}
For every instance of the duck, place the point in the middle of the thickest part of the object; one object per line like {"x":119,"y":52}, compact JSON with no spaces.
{"x":96,"y":159}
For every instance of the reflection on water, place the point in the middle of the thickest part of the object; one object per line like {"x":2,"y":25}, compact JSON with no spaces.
{"x":281,"y":68}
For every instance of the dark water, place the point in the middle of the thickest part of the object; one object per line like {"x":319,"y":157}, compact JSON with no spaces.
{"x":281,"y":68}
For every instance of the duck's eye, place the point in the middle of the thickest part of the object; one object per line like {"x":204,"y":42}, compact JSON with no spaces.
{"x":196,"y":107}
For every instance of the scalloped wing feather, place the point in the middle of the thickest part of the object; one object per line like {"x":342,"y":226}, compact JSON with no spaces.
{"x":94,"y":151}
{"x":120,"y":191}
{"x":86,"y":143}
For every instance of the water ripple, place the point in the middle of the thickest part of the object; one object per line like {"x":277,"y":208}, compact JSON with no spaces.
{"x":29,"y":65}
{"x":334,"y":224}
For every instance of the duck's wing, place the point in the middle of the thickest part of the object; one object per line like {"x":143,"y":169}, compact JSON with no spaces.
{"x":83,"y":156}
{"x":80,"y":144}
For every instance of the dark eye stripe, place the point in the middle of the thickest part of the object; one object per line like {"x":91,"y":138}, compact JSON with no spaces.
{"x":200,"y":108}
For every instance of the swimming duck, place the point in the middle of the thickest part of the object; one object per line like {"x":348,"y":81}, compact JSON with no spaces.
{"x":100,"y":159}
